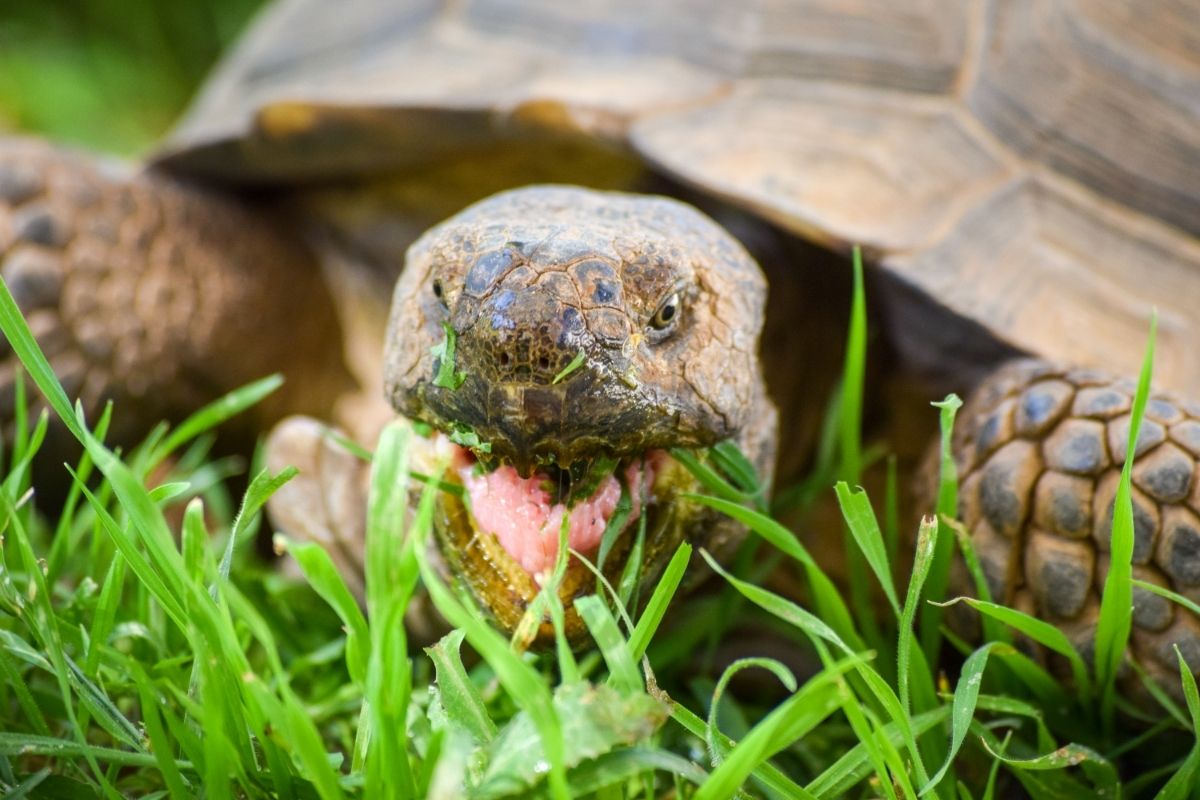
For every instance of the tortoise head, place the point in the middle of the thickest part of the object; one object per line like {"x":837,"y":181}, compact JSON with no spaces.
{"x":567,"y":338}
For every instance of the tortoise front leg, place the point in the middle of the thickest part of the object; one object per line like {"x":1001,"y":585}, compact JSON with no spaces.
{"x":1039,"y":452}
{"x":327,"y":503}
{"x":157,"y":294}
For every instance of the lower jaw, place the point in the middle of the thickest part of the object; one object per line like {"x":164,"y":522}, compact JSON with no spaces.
{"x":504,"y":590}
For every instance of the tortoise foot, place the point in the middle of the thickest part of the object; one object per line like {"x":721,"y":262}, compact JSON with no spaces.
{"x":155,"y":294}
{"x":326,"y":502}
{"x":1039,"y":451}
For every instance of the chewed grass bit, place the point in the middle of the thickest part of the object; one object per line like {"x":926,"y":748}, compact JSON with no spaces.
{"x":464,"y":436}
{"x":575,"y":364}
{"x":443,"y":351}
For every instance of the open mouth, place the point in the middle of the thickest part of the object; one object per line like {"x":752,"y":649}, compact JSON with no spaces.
{"x":501,"y":534}
{"x":527,"y":515}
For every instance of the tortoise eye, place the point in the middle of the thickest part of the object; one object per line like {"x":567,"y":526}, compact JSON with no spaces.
{"x":667,"y":313}
{"x":439,"y":292}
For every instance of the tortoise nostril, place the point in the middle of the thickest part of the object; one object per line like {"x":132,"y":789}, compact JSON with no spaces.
{"x":528,"y":333}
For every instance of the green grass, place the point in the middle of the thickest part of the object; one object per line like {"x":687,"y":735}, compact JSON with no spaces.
{"x":147,"y":651}
{"x":109,"y":75}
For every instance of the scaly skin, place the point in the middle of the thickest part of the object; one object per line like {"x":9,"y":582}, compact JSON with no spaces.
{"x":156,"y":294}
{"x":1040,"y":451}
{"x":530,"y":279}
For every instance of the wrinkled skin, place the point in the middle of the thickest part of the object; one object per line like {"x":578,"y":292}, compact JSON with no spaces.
{"x":584,"y":324}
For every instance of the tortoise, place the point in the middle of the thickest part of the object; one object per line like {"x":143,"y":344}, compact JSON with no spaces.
{"x":1024,"y":178}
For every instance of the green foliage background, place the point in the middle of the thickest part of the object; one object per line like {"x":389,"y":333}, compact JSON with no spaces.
{"x":108,"y":75}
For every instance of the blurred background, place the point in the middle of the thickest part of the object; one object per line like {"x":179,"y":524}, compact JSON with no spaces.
{"x":109,"y":75}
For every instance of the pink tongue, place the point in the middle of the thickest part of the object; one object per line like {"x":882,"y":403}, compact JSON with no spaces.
{"x":518,"y":512}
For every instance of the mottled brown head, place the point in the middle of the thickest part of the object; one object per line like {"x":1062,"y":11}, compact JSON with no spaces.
{"x":591,"y":332}
{"x":584,"y":323}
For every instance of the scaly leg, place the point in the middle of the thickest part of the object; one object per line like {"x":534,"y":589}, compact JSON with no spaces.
{"x":1039,"y":453}
{"x":326,"y":503}
{"x":158,"y":294}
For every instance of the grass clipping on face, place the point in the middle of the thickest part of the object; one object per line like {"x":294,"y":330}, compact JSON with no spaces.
{"x":143,"y":651}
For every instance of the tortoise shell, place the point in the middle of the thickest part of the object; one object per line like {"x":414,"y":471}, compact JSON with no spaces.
{"x":1031,"y":166}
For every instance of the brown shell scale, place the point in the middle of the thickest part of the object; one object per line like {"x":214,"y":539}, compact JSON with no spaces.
{"x":1039,"y":453}
{"x":1016,"y":163}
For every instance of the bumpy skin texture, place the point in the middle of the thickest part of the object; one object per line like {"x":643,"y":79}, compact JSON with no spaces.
{"x":534,"y":280}
{"x":156,"y":294}
{"x":531,"y":278}
{"x":1040,"y":451}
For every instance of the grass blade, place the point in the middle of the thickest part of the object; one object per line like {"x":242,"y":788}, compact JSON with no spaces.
{"x":12,"y":679}
{"x":847,"y":771}
{"x":766,"y":773}
{"x":947,"y":505}
{"x":217,"y":412}
{"x":710,"y":479}
{"x":323,"y":576}
{"x":1185,"y":778}
{"x":733,"y":462}
{"x":261,"y":488}
{"x":773,"y":666}
{"x":992,"y":630}
{"x":22,"y":790}
{"x":159,"y":741}
{"x":614,"y":526}
{"x":853,"y":373}
{"x":1174,"y":597}
{"x":926,"y":547}
{"x":1116,"y":601}
{"x":850,"y":443}
{"x":1101,"y":773}
{"x":23,"y":744}
{"x":819,"y":632}
{"x":622,"y":669}
{"x":860,"y":518}
{"x":106,"y":612}
{"x":656,"y":607}
{"x":828,"y":598}
{"x":812,"y":625}
{"x":391,"y":576}
{"x":788,"y":722}
{"x":966,"y":694}
{"x":1041,"y":632}
{"x":913,"y":674}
